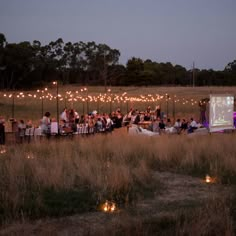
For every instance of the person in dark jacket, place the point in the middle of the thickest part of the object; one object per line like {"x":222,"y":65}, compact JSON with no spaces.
{"x":2,"y":131}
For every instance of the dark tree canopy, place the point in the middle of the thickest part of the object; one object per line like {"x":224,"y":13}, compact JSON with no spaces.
{"x":26,"y":65}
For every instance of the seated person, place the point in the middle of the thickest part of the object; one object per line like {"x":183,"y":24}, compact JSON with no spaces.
{"x":184,"y":126}
{"x":147,"y":116}
{"x":54,"y":127}
{"x":177,"y":126}
{"x":99,"y":125}
{"x":155,"y":126}
{"x":162,"y":126}
{"x":2,"y":131}
{"x":193,"y":125}
{"x":21,"y":130}
{"x":168,"y":123}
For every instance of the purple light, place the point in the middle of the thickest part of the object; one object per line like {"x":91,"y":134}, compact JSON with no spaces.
{"x":235,"y":119}
{"x":206,"y":124}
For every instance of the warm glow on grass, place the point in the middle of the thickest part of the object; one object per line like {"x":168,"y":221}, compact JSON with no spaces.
{"x":208,"y":179}
{"x":3,"y":151}
{"x":109,"y":206}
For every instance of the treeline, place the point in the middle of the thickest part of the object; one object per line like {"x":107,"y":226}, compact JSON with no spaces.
{"x":29,"y":65}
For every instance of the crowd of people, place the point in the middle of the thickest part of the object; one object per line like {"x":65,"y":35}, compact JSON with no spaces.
{"x":71,"y":122}
{"x":157,"y":122}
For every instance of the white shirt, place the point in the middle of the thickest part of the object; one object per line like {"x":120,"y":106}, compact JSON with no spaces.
{"x":193,"y":124}
{"x":177,"y":124}
{"x":63,"y":116}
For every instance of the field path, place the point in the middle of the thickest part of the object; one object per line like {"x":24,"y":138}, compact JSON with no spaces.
{"x":176,"y":192}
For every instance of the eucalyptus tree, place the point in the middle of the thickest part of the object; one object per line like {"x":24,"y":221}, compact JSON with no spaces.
{"x":151,"y":73}
{"x":96,"y":61}
{"x":74,"y":55}
{"x":180,"y":75}
{"x":107,"y":59}
{"x":19,"y":64}
{"x":230,"y":73}
{"x":134,"y":71}
{"x":38,"y":63}
{"x":44,"y":63}
{"x":231,"y":67}
{"x":116,"y":75}
{"x":90,"y":64}
{"x":3,"y":43}
{"x":57,"y":58}
{"x":68,"y":58}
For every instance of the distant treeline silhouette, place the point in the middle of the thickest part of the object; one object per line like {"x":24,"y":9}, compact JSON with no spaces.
{"x":29,"y":65}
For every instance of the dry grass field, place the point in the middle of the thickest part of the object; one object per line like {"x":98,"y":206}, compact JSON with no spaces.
{"x":58,"y":186}
{"x":157,"y":184}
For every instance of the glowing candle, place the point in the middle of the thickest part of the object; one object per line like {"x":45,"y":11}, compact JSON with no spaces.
{"x":208,"y":179}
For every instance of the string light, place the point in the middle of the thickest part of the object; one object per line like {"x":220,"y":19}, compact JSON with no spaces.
{"x":103,"y":98}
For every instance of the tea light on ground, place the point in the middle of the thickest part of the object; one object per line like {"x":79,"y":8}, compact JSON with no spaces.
{"x":29,"y":156}
{"x":109,"y":206}
{"x":106,"y":207}
{"x":3,"y":151}
{"x":113,"y":207}
{"x":208,"y":179}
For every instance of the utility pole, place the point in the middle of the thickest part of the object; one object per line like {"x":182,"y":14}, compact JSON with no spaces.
{"x":105,"y":72}
{"x":193,"y":75}
{"x":13,"y":106}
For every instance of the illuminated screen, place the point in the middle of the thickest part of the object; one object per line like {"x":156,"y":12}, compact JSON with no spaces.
{"x":221,"y":112}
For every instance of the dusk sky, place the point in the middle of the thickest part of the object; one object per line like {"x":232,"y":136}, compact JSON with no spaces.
{"x":176,"y":31}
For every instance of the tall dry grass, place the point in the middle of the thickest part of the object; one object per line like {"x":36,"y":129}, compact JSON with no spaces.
{"x":116,"y":167}
{"x":214,"y":218}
